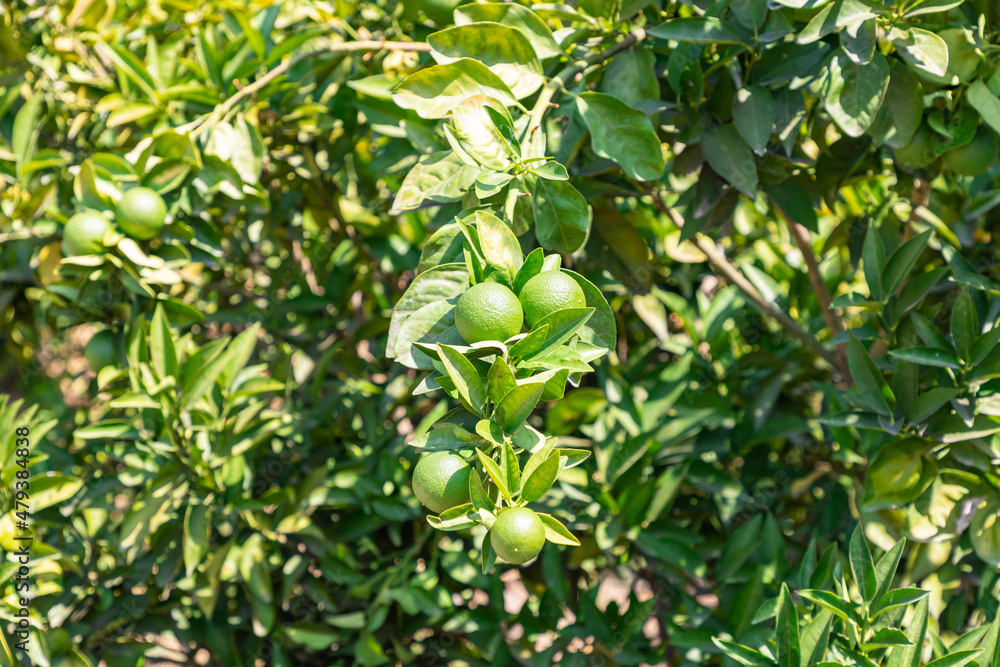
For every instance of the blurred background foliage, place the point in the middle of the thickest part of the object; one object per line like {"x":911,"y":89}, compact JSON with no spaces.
{"x":232,"y":488}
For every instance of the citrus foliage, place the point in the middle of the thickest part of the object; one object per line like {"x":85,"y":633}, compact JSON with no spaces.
{"x":780,"y":215}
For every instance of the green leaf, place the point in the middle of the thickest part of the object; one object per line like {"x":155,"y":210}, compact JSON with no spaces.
{"x":134,"y":69}
{"x":835,"y":16}
{"x":859,"y":41}
{"x":531,"y":267}
{"x":439,"y":177}
{"x":902,"y":262}
{"x":862,"y":565}
{"x":930,"y":402}
{"x":964,"y":329}
{"x":197,"y":529}
{"x":885,"y":569}
{"x":815,"y":638}
{"x":909,"y":656}
{"x":493,"y":470}
{"x":500,"y":247}
{"x":631,"y":76}
{"x":927,"y":356}
{"x":237,"y":355}
{"x":488,"y":556}
{"x":25,"y":136}
{"x":562,"y":216}
{"x":901,"y":597}
{"x":750,"y":13}
{"x":730,"y":157}
{"x":456,"y":518}
{"x":855,"y":93}
{"x":437,"y":284}
{"x":433,"y":92}
{"x":743,"y":542}
{"x":506,"y":51}
{"x":555,"y":532}
{"x":480,"y":499}
{"x":465,"y":376}
{"x":956,"y":659}
{"x":510,"y":467}
{"x":699,"y":30}
{"x":161,"y":346}
{"x":872,"y":386}
{"x":538,"y":483}
{"x":602,"y":325}
{"x":517,"y":404}
{"x":832,"y":603}
{"x":787,"y":631}
{"x":48,"y":490}
{"x":742,"y":654}
{"x":499,"y":380}
{"x":622,"y":134}
{"x":754,"y":115}
{"x":931,"y":7}
{"x":886,"y":637}
{"x":984,"y":345}
{"x":991,"y":645}
{"x":986,"y":103}
{"x":794,"y":202}
{"x":482,"y":135}
{"x":902,"y":107}
{"x":515,"y":16}
{"x":922,"y":49}
{"x":561,"y":325}
{"x":531,"y":342}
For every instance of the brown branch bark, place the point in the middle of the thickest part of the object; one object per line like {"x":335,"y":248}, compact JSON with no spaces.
{"x":801,"y":237}
{"x":723,"y":266}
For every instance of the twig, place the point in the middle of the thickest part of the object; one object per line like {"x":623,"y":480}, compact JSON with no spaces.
{"x":730,"y":273}
{"x":307,"y":269}
{"x":559,"y":81}
{"x":801,"y":236}
{"x":271,"y":75}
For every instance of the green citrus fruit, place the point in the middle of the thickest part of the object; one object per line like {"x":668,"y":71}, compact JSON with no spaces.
{"x":920,"y":152}
{"x":84,"y":234}
{"x":141,"y":213}
{"x":900,"y":473}
{"x":977,"y":156}
{"x":548,"y":292}
{"x":488,"y":311}
{"x":517,"y":535}
{"x":100,"y":350}
{"x":441,"y":11}
{"x":441,"y":481}
{"x":963,"y":61}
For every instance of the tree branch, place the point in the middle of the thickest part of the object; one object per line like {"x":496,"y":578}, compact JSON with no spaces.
{"x":801,"y":236}
{"x":271,"y":75}
{"x":722,"y":265}
{"x":559,"y":81}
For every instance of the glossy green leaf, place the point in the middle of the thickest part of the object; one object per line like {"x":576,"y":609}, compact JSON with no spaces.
{"x":730,"y":157}
{"x":433,"y":92}
{"x":562,"y":216}
{"x":623,"y":134}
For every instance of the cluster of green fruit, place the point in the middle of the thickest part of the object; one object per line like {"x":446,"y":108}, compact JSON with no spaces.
{"x":490,"y":311}
{"x":499,"y":332}
{"x":140,"y":214}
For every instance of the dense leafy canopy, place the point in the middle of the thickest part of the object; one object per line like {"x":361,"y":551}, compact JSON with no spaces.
{"x":780,"y":215}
